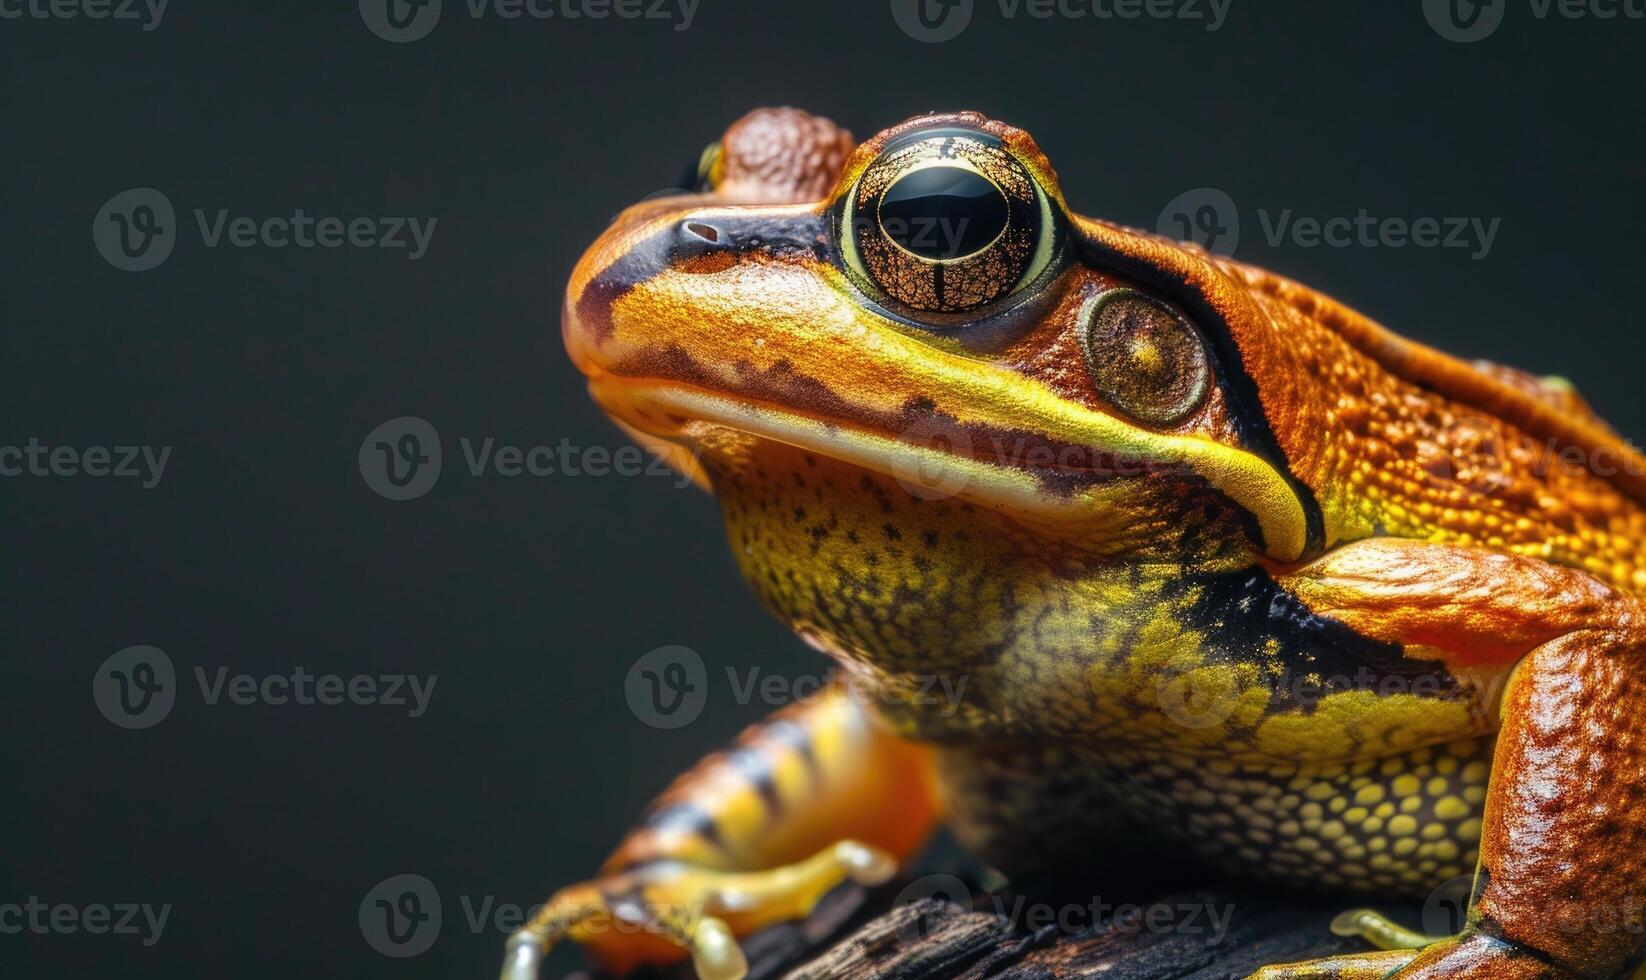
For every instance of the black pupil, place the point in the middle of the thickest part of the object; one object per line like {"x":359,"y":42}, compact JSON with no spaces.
{"x":943,"y":212}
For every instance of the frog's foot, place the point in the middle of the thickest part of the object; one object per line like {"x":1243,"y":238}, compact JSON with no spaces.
{"x":695,"y":910}
{"x":814,"y":796}
{"x":1408,"y":955}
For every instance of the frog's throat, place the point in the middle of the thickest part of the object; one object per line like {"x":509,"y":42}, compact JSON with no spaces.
{"x":670,"y":411}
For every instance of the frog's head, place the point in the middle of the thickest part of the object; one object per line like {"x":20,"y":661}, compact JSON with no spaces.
{"x":923,"y":314}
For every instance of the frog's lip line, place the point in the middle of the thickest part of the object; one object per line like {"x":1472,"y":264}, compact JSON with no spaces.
{"x":921,"y":469}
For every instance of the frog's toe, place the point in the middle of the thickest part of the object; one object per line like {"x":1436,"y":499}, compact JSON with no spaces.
{"x":1379,"y":930}
{"x":666,"y":910}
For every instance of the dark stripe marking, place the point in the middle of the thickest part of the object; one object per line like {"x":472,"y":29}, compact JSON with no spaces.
{"x":795,"y":737}
{"x":688,"y":817}
{"x":754,"y":764}
{"x":1239,"y":390}
{"x":1242,"y":612}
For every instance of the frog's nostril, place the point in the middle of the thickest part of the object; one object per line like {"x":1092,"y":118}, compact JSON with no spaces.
{"x":693,"y":239}
{"x":704,"y":231}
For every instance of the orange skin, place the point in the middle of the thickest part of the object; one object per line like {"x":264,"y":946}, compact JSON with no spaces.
{"x":1466,"y":516}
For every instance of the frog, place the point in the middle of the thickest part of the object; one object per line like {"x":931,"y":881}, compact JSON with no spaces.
{"x":1227,"y":568}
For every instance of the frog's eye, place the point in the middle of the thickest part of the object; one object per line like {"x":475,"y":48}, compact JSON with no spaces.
{"x":702,"y":174}
{"x":1145,"y":358}
{"x":946,"y":222}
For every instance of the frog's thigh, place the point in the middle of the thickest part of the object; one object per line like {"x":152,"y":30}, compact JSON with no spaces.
{"x":755,"y":835}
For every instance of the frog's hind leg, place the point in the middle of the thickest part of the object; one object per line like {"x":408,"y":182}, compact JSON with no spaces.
{"x":690,"y":910}
{"x":752,"y":836}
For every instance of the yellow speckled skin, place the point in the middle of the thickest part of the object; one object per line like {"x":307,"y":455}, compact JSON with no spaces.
{"x":1363,"y":618}
{"x":1103,"y":674}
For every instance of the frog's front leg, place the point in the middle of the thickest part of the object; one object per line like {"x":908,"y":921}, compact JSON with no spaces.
{"x":816,"y":794}
{"x":1558,"y":892}
{"x":1562,"y":861}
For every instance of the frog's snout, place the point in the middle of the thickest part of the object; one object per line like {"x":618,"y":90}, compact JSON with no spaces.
{"x":653,"y":264}
{"x":634,"y":250}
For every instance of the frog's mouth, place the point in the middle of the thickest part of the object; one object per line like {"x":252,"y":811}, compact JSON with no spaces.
{"x":930,"y":456}
{"x":770,"y":342}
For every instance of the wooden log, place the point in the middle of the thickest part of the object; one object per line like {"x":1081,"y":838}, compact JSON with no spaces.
{"x":1194,"y":934}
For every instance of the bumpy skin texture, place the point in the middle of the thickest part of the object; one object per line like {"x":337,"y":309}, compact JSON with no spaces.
{"x":1366,"y":618}
{"x":779,"y":155}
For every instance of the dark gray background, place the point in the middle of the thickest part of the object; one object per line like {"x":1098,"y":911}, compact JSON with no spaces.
{"x":263,"y":549}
